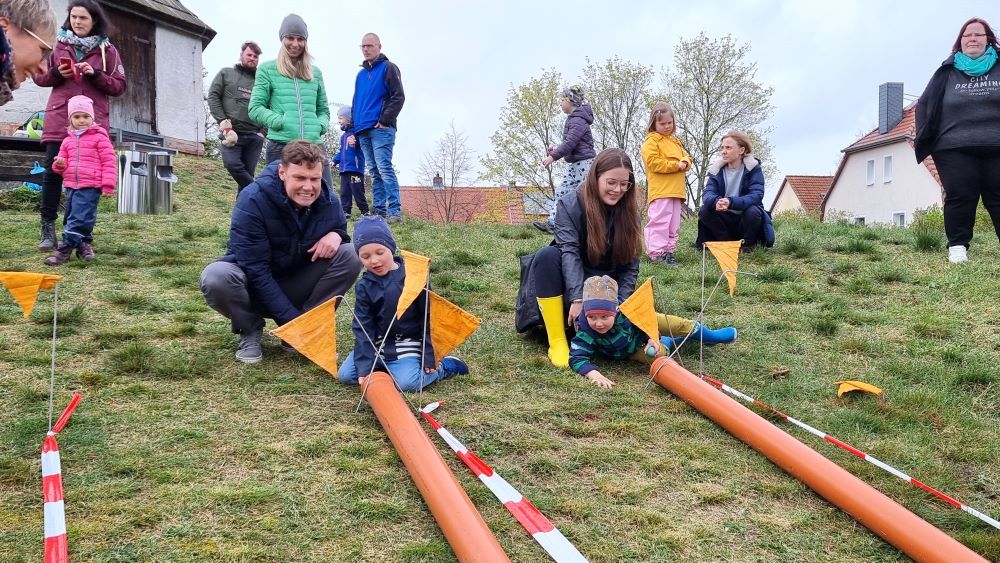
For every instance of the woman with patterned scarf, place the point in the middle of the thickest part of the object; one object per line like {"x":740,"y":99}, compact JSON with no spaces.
{"x":83,"y":62}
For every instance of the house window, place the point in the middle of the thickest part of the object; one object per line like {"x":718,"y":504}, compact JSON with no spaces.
{"x":860,"y":220}
{"x":899,"y":218}
{"x":870,"y":169}
{"x":887,"y":169}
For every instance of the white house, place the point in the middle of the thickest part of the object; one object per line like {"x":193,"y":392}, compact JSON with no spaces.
{"x":161,"y":44}
{"x":801,"y":193}
{"x":879,"y":179}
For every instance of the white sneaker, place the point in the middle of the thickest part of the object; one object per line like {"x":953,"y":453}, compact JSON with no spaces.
{"x":957,"y":254}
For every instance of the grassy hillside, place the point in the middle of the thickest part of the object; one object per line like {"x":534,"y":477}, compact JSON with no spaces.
{"x":179,"y":453}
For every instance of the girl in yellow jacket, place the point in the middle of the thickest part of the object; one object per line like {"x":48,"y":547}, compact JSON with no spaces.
{"x":666,"y":164}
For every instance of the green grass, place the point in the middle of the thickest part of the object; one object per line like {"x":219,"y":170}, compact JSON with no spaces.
{"x":178,"y":453}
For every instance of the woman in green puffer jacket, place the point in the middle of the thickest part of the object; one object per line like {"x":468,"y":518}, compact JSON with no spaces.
{"x":288,"y":97}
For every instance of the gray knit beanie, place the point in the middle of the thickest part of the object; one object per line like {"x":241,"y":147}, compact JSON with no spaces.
{"x":345,"y":112}
{"x":574,"y":94}
{"x":293,"y":25}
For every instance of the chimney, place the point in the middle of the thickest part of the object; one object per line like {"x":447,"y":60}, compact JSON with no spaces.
{"x":438,"y":182}
{"x":890,"y":106}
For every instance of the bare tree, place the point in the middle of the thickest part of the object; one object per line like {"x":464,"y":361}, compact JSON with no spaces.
{"x":620,"y":93}
{"x":713,"y":90}
{"x":447,"y":168}
{"x":530,"y":122}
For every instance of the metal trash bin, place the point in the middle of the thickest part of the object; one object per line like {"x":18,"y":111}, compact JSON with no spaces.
{"x":162,"y":179}
{"x":140,"y":189}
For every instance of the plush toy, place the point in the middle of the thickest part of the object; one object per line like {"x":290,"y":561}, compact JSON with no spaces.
{"x":226,"y":133}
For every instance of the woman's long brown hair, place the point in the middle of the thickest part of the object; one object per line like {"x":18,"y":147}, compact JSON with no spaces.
{"x":624,"y":215}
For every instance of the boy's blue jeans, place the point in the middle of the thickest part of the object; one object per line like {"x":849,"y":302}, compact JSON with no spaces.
{"x":81,"y":215}
{"x":377,"y":144}
{"x":406,"y":371}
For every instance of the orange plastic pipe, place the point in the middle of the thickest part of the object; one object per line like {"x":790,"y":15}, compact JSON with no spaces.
{"x":908,"y":532}
{"x":464,"y":528}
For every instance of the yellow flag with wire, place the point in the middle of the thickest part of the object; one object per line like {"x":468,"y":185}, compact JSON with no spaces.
{"x":314,"y":334}
{"x":727,"y":252}
{"x":639,"y":309}
{"x":417,"y":269}
{"x":24,"y":286}
{"x":854,"y":385}
{"x":450,"y":326}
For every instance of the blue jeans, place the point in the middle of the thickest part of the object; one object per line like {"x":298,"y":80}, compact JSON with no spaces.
{"x":376,"y":144}
{"x":406,"y":372}
{"x":81,"y":215}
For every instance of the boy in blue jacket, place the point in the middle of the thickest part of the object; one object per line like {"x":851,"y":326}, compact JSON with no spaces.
{"x":603,"y":331}
{"x":351,"y":163}
{"x":406,"y":351}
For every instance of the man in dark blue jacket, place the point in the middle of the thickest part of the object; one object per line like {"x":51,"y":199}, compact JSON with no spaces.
{"x":378,"y":99}
{"x":289,"y":250}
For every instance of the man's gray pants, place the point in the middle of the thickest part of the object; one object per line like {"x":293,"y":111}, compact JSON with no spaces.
{"x":224,"y":285}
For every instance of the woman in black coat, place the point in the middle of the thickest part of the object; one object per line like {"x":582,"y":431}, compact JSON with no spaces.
{"x":958,"y":117}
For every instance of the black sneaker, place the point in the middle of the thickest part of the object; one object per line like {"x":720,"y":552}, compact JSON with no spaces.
{"x":669,"y":259}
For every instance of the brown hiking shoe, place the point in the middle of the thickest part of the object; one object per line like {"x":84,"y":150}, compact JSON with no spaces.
{"x":60,"y":256}
{"x":85,"y":251}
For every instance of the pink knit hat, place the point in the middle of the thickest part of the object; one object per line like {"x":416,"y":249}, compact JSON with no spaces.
{"x":81,"y":104}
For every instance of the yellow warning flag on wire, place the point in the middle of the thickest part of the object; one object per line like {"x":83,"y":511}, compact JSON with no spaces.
{"x":854,"y":385}
{"x":417,"y":269}
{"x":639,"y":309}
{"x":450,"y":326}
{"x":314,"y":334}
{"x":728,"y":254}
{"x":24,"y":286}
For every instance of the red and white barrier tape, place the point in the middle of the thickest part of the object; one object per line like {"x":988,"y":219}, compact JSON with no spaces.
{"x":847,"y":447}
{"x":544,"y":532}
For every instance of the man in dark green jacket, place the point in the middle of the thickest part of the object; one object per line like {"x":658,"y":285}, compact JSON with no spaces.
{"x":228,"y":99}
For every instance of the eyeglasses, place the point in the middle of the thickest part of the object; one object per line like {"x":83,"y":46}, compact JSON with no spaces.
{"x":616,"y":184}
{"x":971,"y":35}
{"x":48,"y":48}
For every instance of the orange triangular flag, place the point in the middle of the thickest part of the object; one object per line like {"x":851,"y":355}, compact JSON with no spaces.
{"x":314,"y":334}
{"x":638,"y":308}
{"x":417,"y":269}
{"x":728,"y":254}
{"x":848,"y":386}
{"x":24,"y":287}
{"x":450,"y":326}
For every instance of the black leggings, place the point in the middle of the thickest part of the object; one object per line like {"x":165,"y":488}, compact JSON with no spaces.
{"x":967,"y":175}
{"x":48,"y":204}
{"x":547,"y":273}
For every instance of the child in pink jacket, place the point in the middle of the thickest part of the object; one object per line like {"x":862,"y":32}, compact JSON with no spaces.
{"x":87,"y":163}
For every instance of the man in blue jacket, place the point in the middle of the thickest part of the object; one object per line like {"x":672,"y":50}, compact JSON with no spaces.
{"x":378,"y":99}
{"x":288,"y":252}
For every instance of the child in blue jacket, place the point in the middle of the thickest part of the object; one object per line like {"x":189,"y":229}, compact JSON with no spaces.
{"x":407,"y":344}
{"x":351,"y":163}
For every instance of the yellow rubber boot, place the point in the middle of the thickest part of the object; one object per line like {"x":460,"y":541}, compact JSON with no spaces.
{"x":555,"y":328}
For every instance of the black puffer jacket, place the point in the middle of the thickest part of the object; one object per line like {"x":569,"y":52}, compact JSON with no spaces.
{"x":269,"y":238}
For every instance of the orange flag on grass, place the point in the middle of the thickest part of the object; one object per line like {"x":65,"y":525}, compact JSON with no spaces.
{"x":314,"y":334}
{"x":417,"y":269}
{"x":728,"y":254}
{"x":450,"y":326}
{"x":639,"y":309}
{"x":24,"y":286}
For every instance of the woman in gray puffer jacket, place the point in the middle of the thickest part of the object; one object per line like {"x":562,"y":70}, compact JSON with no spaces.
{"x":577,"y":148}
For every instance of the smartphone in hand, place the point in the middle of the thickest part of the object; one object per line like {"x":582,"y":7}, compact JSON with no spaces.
{"x":69,"y":62}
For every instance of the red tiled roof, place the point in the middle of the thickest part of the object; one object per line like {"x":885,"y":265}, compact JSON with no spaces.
{"x":464,"y":204}
{"x":810,"y":190}
{"x":904,"y":130}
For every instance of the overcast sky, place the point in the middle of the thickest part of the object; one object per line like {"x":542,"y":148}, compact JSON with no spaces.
{"x":825,"y":60}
